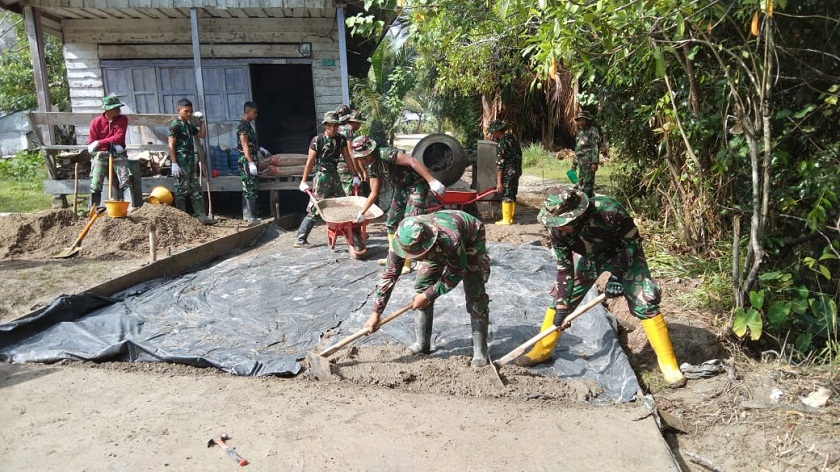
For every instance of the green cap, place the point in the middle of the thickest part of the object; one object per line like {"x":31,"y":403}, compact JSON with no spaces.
{"x":363,"y":146}
{"x":331,"y":117}
{"x":415,"y":237}
{"x":562,"y":206}
{"x":110,"y":102}
{"x":496,"y":125}
{"x":584,"y":115}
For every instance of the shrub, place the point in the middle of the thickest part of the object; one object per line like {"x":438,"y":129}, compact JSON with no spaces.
{"x":25,"y":166}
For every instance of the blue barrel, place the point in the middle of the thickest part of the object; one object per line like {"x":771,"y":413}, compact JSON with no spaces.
{"x":234,"y":161}
{"x":219,"y":160}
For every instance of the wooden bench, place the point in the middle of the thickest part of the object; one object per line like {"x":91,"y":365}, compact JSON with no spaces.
{"x":62,"y":187}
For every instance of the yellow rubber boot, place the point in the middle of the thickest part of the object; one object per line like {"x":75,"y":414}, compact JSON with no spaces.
{"x":512,"y":212}
{"x":541,"y":352}
{"x":660,"y":341}
{"x":507,"y":208}
{"x":406,"y":267}
{"x":383,"y":262}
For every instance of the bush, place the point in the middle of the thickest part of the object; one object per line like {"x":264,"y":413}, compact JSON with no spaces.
{"x":533,"y":154}
{"x":25,"y":166}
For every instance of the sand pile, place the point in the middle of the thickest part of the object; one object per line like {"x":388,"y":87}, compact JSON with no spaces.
{"x":39,"y":235}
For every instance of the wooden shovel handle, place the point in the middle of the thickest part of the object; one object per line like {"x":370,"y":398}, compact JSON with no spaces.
{"x":358,"y":334}
{"x":539,"y":337}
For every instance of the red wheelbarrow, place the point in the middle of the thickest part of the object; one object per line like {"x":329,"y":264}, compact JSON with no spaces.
{"x":340,"y":213}
{"x":460,"y":198}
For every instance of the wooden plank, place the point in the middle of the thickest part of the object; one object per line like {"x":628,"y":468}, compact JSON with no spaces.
{"x":65,"y":13}
{"x":181,"y":262}
{"x":184,"y":51}
{"x":32,"y":24}
{"x":255,"y":12}
{"x":228,"y":183}
{"x":60,"y":118}
{"x":135,"y":14}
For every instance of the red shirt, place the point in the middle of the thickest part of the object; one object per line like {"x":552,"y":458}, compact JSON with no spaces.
{"x":108,"y":133}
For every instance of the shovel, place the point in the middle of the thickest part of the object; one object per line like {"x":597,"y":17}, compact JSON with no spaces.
{"x":73,"y":249}
{"x":539,"y":337}
{"x":319,"y":363}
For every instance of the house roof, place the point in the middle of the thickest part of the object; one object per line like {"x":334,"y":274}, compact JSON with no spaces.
{"x":359,"y":49}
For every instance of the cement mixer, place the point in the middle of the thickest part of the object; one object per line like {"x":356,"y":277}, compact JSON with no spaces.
{"x":445,"y":158}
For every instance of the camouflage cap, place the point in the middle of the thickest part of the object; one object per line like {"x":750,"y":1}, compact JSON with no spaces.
{"x":363,"y":146}
{"x":344,"y":112}
{"x":110,"y":102}
{"x":562,"y":206}
{"x":584,"y":115}
{"x":356,"y":117}
{"x":496,"y":125}
{"x":415,"y":237}
{"x":331,"y":117}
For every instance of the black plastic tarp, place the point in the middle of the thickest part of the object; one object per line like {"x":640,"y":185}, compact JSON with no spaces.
{"x":260,"y":311}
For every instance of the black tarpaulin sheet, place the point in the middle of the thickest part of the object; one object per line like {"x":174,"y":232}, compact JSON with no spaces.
{"x":258,"y":312}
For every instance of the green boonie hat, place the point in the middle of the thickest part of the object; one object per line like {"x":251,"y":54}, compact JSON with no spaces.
{"x":356,"y":117}
{"x":363,"y":146}
{"x":331,"y":117}
{"x":496,"y":125}
{"x":584,"y":115}
{"x":110,"y":102}
{"x":562,"y":206}
{"x":415,"y":237}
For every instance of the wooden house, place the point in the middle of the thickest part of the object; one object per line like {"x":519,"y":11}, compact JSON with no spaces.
{"x":292,"y":57}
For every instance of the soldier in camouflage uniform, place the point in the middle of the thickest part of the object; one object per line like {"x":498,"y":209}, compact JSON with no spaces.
{"x":182,"y":133}
{"x":409,"y":178}
{"x":106,"y":136}
{"x":325,"y":150}
{"x":588,"y":146}
{"x":602,"y":237}
{"x":451,"y":247}
{"x":246,"y":144}
{"x":508,"y":168}
{"x":346,"y":170}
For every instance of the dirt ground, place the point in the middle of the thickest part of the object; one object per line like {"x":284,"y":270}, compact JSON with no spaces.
{"x":388,"y":411}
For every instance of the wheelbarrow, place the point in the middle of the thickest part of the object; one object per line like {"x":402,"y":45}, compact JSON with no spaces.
{"x":340,"y":215}
{"x":460,"y":198}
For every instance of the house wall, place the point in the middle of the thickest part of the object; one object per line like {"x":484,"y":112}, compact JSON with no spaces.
{"x":88,"y":42}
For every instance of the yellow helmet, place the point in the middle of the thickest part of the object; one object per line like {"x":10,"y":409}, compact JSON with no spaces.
{"x":160,"y":195}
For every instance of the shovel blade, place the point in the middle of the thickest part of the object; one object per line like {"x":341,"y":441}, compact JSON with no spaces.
{"x":319,"y":366}
{"x":67,"y":252}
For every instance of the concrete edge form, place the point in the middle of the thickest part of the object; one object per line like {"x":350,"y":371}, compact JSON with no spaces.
{"x":181,"y":262}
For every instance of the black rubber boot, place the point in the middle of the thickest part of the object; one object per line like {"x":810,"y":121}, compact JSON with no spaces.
{"x":479,"y":335}
{"x":198,"y":208}
{"x":358,"y":244}
{"x":303,"y":231}
{"x":95,"y":199}
{"x":423,"y":330}
{"x":181,"y":204}
{"x":249,"y":211}
{"x":252,"y":206}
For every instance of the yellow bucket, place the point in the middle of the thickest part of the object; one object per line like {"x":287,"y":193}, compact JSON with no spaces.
{"x":116,"y":208}
{"x":160,"y":195}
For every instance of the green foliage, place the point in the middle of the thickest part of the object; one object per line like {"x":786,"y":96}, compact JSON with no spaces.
{"x":532,"y":154}
{"x":24,"y":166}
{"x":17,"y":87}
{"x":783,"y":307}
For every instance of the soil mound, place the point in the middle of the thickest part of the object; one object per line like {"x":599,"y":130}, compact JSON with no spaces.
{"x":39,"y":235}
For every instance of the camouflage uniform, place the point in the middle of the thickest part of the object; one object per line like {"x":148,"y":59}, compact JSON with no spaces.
{"x":186,"y":185}
{"x":411,"y":191}
{"x":343,"y":172}
{"x":249,"y":182}
{"x":509,"y":163}
{"x":587,"y":148}
{"x":99,"y":169}
{"x":605,"y":239}
{"x":326,"y":183}
{"x":459,"y":253}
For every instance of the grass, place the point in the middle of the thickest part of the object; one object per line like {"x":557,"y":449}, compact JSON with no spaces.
{"x":538,"y":162}
{"x":18,"y":196}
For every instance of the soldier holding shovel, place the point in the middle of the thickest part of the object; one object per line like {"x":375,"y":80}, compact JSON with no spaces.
{"x":603,"y":237}
{"x":451,"y":246}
